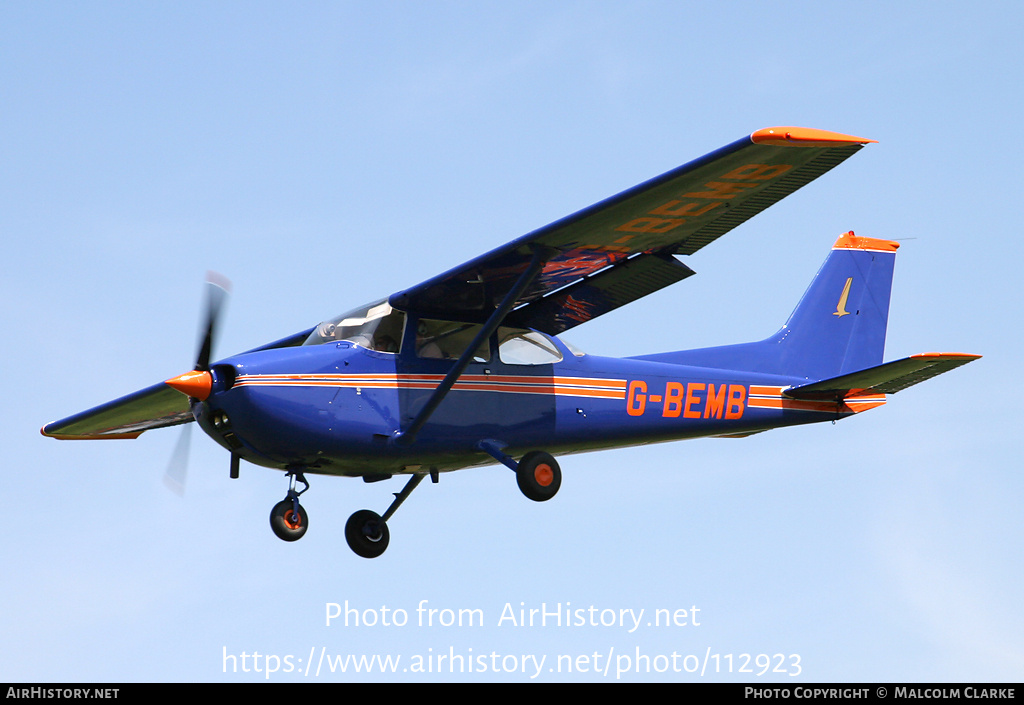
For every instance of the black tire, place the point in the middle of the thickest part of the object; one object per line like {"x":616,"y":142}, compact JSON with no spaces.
{"x":367,"y":534}
{"x":539,"y":476}
{"x":284,"y":522}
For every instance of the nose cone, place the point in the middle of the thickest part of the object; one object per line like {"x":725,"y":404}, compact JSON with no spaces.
{"x":196,"y":384}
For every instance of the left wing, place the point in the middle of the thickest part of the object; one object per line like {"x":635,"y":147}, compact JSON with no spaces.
{"x":153,"y":407}
{"x":620,"y":249}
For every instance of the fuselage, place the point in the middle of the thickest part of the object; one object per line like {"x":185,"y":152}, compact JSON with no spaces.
{"x":336,"y":408}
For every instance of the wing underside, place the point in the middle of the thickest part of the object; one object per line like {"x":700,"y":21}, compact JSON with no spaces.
{"x":600,"y":293}
{"x":153,"y":407}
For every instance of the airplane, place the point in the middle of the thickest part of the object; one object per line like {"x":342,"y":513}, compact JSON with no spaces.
{"x":467,"y":368}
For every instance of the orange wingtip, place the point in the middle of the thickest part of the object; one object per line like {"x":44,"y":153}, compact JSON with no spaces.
{"x":196,"y":384}
{"x":849,"y":241}
{"x":950,"y":356}
{"x":803,"y":137}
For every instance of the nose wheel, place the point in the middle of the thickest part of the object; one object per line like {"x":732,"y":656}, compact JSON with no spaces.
{"x":287,"y":523}
{"x":288,"y":519}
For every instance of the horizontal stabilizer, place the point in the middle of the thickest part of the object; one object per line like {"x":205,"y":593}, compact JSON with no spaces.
{"x":889,"y":378}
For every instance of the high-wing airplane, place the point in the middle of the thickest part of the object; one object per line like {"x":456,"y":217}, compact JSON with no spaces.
{"x":466,"y":369}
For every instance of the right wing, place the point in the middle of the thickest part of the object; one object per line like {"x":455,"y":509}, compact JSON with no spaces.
{"x":620,"y":249}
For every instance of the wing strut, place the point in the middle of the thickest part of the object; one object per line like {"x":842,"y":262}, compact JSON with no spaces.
{"x":540,"y":256}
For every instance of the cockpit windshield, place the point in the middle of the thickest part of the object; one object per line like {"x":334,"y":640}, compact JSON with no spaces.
{"x":376,"y":326}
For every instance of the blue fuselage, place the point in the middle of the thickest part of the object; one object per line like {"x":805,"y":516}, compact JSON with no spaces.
{"x":336,"y":408}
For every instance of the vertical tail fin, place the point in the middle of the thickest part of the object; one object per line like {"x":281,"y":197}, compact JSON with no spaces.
{"x":838,"y":327}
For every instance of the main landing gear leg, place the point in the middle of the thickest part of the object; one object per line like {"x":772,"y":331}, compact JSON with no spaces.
{"x":288,"y":519}
{"x":367,"y":532}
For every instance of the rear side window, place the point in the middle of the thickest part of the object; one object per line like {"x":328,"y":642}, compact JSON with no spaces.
{"x":518,"y":346}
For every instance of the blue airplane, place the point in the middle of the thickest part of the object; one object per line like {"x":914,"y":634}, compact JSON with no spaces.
{"x":466,"y":369}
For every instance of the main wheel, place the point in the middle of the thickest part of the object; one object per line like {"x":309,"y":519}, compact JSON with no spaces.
{"x":367,"y":534}
{"x":286,"y":525}
{"x":539,"y":476}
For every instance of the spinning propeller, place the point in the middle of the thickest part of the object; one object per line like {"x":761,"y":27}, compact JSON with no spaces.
{"x":197,"y":383}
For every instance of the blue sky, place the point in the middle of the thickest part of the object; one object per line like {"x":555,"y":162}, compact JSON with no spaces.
{"x":322,"y":155}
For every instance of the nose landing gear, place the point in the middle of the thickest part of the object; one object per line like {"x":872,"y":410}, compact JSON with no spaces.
{"x":288,"y":519}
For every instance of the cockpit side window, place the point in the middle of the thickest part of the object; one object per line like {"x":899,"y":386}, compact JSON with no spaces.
{"x":447,"y":340}
{"x":375,"y":327}
{"x":518,"y":346}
